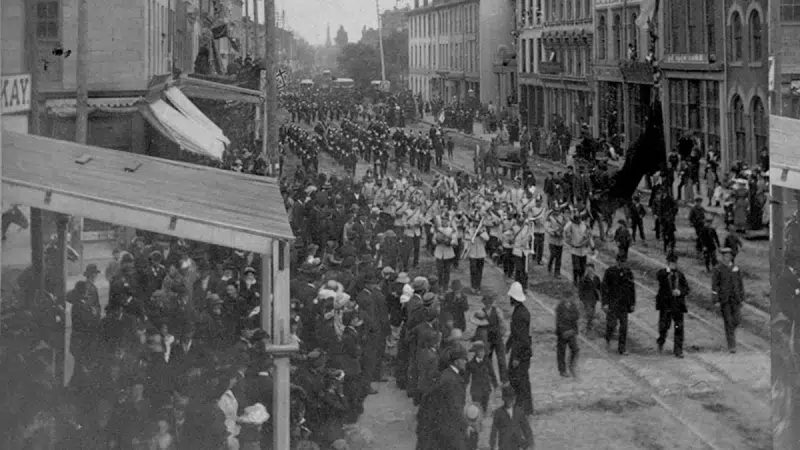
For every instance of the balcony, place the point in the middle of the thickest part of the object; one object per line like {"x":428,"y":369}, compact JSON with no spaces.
{"x":636,"y":72}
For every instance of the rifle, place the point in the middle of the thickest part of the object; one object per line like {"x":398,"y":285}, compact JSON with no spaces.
{"x":472,"y":239}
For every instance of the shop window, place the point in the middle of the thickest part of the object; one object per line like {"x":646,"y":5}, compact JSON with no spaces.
{"x":736,"y":42}
{"x":760,"y":129}
{"x":633,"y":37}
{"x":602,"y":38}
{"x":755,"y":36}
{"x":790,"y":10}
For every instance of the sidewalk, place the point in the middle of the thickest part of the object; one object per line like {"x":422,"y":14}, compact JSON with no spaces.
{"x":548,"y":165}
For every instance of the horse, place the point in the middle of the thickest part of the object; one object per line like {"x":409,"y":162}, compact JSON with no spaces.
{"x":15,"y":216}
{"x":602,"y":209}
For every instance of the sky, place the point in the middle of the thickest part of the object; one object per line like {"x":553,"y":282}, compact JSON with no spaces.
{"x":309,"y":18}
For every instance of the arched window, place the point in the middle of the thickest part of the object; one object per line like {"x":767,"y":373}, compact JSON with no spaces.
{"x":760,"y":130}
{"x":755,"y":36}
{"x":736,"y":24}
{"x":740,"y":134}
{"x":633,"y":34}
{"x":617,"y":30}
{"x":602,"y":38}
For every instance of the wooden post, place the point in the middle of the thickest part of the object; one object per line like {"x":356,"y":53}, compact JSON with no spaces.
{"x":281,"y":317}
{"x":82,"y":98}
{"x":246,"y":28}
{"x":270,"y":127}
{"x":266,"y":291}
{"x":60,"y":276}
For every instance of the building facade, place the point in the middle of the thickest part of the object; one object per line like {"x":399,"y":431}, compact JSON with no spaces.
{"x":784,"y":35}
{"x":444,"y":50}
{"x":531,"y":86}
{"x":498,"y":62}
{"x":747,"y":95}
{"x":565,"y":58}
{"x":15,"y":102}
{"x":624,"y":81}
{"x":694,"y":66}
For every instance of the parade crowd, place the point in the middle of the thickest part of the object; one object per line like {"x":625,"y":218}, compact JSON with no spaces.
{"x":178,"y":360}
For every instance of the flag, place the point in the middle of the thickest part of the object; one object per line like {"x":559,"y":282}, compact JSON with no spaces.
{"x":648,"y":11}
{"x":280,"y":78}
{"x":220,"y":31}
{"x":646,"y":156}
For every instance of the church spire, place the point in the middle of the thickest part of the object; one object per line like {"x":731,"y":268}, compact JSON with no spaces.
{"x":328,"y":41}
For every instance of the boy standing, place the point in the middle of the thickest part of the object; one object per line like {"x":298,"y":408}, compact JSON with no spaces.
{"x":480,"y":376}
{"x":589,"y":290}
{"x":567,"y":315}
{"x":510,"y":427}
{"x":623,"y":238}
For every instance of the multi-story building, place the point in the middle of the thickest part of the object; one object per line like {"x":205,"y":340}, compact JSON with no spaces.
{"x":16,"y":80}
{"x":565,"y":62}
{"x":444,"y":49}
{"x":693,"y":63}
{"x":624,"y":81}
{"x":530,"y":49}
{"x":747,"y":95}
{"x":498,"y":64}
{"x":785,"y":34}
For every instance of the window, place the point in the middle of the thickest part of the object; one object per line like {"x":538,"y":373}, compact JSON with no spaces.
{"x":602,"y":38}
{"x":694,"y":105}
{"x":47,"y":21}
{"x":617,"y":30}
{"x":736,"y":51}
{"x":568,"y":68}
{"x":790,"y":10}
{"x":677,"y":108}
{"x":560,"y":9}
{"x":740,"y":135}
{"x":579,"y":62}
{"x":760,"y":130}
{"x":711,"y":30}
{"x":677,"y":20}
{"x":633,"y":36}
{"x":755,"y":36}
{"x":712,"y":114}
{"x":587,"y":9}
{"x":569,"y":10}
{"x":695,"y":41}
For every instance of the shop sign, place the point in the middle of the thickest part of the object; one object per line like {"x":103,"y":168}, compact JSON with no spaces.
{"x":636,"y":72}
{"x":686,"y":58}
{"x":606,"y":2}
{"x":16,"y":96}
{"x":550,"y":68}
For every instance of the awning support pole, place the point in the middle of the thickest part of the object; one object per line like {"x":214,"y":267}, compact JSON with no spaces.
{"x":281,"y":407}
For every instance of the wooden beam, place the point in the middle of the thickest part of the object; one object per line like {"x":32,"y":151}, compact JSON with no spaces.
{"x":281,"y":407}
{"x":36,"y":220}
{"x":266,"y":290}
{"x":135,"y":217}
{"x":60,"y":288}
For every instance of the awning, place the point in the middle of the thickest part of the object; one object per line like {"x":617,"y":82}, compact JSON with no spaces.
{"x":66,"y":107}
{"x":240,"y":211}
{"x":784,"y":152}
{"x":182,"y":130}
{"x":188,"y":109}
{"x":195,"y":87}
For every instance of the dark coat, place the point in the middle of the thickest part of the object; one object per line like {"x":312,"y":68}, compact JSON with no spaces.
{"x":427,"y":371}
{"x":441,"y":424}
{"x":510,"y":433}
{"x":481,"y":377}
{"x":619,"y":290}
{"x":589,"y":289}
{"x":727,"y":285}
{"x":667,"y":281}
{"x":520,"y":328}
{"x":457,"y":306}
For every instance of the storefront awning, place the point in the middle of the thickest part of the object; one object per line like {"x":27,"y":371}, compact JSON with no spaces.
{"x":188,"y":109}
{"x":188,"y":201}
{"x":189,"y":134}
{"x":199,"y":88}
{"x":67,"y":108}
{"x":784,"y":152}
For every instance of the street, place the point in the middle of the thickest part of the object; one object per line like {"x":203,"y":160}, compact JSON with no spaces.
{"x":641,"y":401}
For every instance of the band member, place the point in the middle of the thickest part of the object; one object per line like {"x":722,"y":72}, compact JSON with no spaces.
{"x":446,"y":238}
{"x":578,"y":238}
{"x":522,"y":248}
{"x":555,"y":234}
{"x":538,"y":215}
{"x":476,"y":252}
{"x":671,"y":303}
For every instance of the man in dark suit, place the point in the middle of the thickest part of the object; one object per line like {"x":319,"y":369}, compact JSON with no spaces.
{"x":727,"y":290}
{"x":510,"y":427}
{"x":440,"y":422}
{"x":92,"y":296}
{"x":619,"y":300}
{"x":671,"y":303}
{"x":520,"y":319}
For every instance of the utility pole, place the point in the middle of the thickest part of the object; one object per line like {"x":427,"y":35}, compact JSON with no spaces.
{"x":256,"y":52}
{"x":380,"y":40}
{"x":270,"y":66}
{"x":247,"y":26}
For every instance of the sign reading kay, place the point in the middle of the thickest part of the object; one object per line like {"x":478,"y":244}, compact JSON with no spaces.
{"x":16,"y":95}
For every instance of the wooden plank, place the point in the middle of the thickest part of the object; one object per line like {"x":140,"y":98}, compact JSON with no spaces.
{"x":136,"y":217}
{"x":266,"y":289}
{"x":282,"y":312}
{"x":244,"y":201}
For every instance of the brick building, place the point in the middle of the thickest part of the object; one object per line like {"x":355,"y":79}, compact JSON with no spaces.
{"x":565,"y":64}
{"x":623,"y":79}
{"x":444,"y":50}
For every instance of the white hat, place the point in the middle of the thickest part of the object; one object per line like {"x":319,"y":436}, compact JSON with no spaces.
{"x":471,"y":412}
{"x":341,"y":300}
{"x":255,"y":414}
{"x":515,"y":292}
{"x":326,"y":293}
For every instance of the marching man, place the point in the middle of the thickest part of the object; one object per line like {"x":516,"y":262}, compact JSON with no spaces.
{"x":521,"y":250}
{"x":476,"y":252}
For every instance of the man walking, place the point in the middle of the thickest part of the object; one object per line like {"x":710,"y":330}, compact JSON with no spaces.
{"x":671,"y":304}
{"x":619,"y":300}
{"x":727,"y":290}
